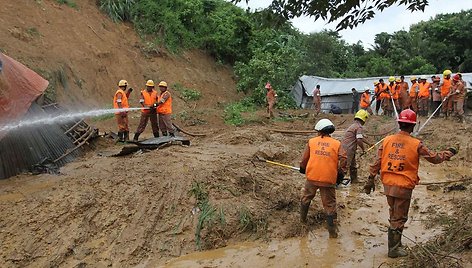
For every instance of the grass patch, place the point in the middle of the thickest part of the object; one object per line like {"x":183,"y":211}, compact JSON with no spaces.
{"x":249,"y":223}
{"x":187,"y":94}
{"x":209,"y":215}
{"x":233,"y":112}
{"x":445,"y":249}
{"x":118,"y":10}
{"x":69,"y":3}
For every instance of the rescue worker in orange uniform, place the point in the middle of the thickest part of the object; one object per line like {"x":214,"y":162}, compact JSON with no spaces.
{"x":436,"y":94}
{"x":164,"y":109}
{"x":120,"y":101}
{"x":396,"y":94}
{"x":317,"y":99}
{"x":381,"y":96}
{"x":365,"y":100}
{"x":404,"y":99}
{"x":446,"y":87}
{"x":398,"y":163}
{"x":415,"y":88}
{"x":423,"y":96}
{"x":353,"y":138}
{"x":387,"y":104}
{"x":149,"y":111}
{"x":459,"y":93}
{"x":324,"y":163}
{"x":271,"y":98}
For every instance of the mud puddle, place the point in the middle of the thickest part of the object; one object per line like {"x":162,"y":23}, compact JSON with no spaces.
{"x":362,"y":240}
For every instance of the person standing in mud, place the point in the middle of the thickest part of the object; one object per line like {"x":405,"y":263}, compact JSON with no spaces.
{"x":436,"y":94}
{"x":324,"y":163}
{"x":271,"y":99}
{"x":317,"y":99}
{"x":398,"y":163}
{"x":164,"y":109}
{"x":353,"y":138}
{"x":356,"y":97}
{"x":404,"y":98}
{"x":120,"y":101}
{"x":149,"y":111}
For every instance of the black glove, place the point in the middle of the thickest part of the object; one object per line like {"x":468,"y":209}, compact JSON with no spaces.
{"x":130,"y":89}
{"x":452,"y":150}
{"x":340,"y":177}
{"x":302,"y":170}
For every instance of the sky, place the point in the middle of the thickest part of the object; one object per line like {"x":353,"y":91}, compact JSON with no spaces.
{"x":390,"y":20}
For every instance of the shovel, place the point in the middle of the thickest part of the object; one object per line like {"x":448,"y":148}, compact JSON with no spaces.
{"x":277,"y":163}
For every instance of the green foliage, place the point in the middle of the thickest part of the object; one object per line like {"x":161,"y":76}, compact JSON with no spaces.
{"x":188,"y":94}
{"x":208,"y":214}
{"x":249,"y":223}
{"x":69,"y":3}
{"x":118,"y":10}
{"x":233,"y":112}
{"x":263,"y":46}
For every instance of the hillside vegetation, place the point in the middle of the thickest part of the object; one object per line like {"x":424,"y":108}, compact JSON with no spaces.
{"x":263,"y":46}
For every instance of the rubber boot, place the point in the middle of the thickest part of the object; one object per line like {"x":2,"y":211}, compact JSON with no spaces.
{"x":353,"y":175}
{"x":394,"y":243}
{"x":136,"y":137}
{"x":164,"y":133}
{"x":120,"y":136}
{"x":126,"y":136}
{"x":332,"y":226}
{"x":156,"y":134}
{"x":304,"y":211}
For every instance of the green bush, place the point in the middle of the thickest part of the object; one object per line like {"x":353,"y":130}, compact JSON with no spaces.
{"x":188,"y":94}
{"x":118,"y":10}
{"x":233,"y":112}
{"x":69,"y":3}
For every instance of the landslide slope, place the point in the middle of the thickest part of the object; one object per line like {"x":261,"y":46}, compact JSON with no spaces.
{"x":84,"y":54}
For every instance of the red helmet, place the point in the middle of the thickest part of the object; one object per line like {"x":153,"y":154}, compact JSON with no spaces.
{"x":407,"y":116}
{"x":456,"y":77}
{"x":268,"y":85}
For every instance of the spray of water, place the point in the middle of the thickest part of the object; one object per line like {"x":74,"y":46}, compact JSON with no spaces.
{"x":60,"y":118}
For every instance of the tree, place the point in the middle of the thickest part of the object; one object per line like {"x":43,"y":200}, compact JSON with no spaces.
{"x":350,"y":12}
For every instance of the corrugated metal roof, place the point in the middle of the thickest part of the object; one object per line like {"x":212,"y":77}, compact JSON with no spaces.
{"x":337,"y":86}
{"x":23,"y":148}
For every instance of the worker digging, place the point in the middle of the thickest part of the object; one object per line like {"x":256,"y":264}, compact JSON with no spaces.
{"x":323,"y":162}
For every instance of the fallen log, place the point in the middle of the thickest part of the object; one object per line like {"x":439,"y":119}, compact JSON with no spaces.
{"x":189,"y":133}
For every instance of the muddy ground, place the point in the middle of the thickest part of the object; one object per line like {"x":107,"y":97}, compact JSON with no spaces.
{"x":213,"y":205}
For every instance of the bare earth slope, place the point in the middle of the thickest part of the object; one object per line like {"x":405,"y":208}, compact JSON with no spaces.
{"x":84,"y":54}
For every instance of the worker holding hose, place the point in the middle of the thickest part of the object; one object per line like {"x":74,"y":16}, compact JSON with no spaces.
{"x":120,"y":101}
{"x":398,"y":163}
{"x":353,"y":138}
{"x":324,"y":163}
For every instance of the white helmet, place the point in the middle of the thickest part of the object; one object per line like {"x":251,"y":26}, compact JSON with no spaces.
{"x":366,"y":88}
{"x":325,"y":125}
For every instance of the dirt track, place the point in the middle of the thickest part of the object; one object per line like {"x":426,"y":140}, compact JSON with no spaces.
{"x":136,"y":210}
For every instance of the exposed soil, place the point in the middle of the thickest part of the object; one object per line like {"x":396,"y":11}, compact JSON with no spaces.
{"x":147,"y":209}
{"x":137,"y":210}
{"x":84,"y":54}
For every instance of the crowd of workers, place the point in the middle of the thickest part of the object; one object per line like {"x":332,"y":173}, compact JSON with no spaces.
{"x":156,"y":108}
{"x":421,"y":96}
{"x":326,"y":160}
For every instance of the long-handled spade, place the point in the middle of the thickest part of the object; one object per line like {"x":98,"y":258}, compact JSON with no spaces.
{"x":343,"y":181}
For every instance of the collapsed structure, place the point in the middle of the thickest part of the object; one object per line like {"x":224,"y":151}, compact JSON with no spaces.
{"x":33,"y":148}
{"x":338,"y":91}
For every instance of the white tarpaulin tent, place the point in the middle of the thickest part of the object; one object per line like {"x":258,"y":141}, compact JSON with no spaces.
{"x":338,"y":91}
